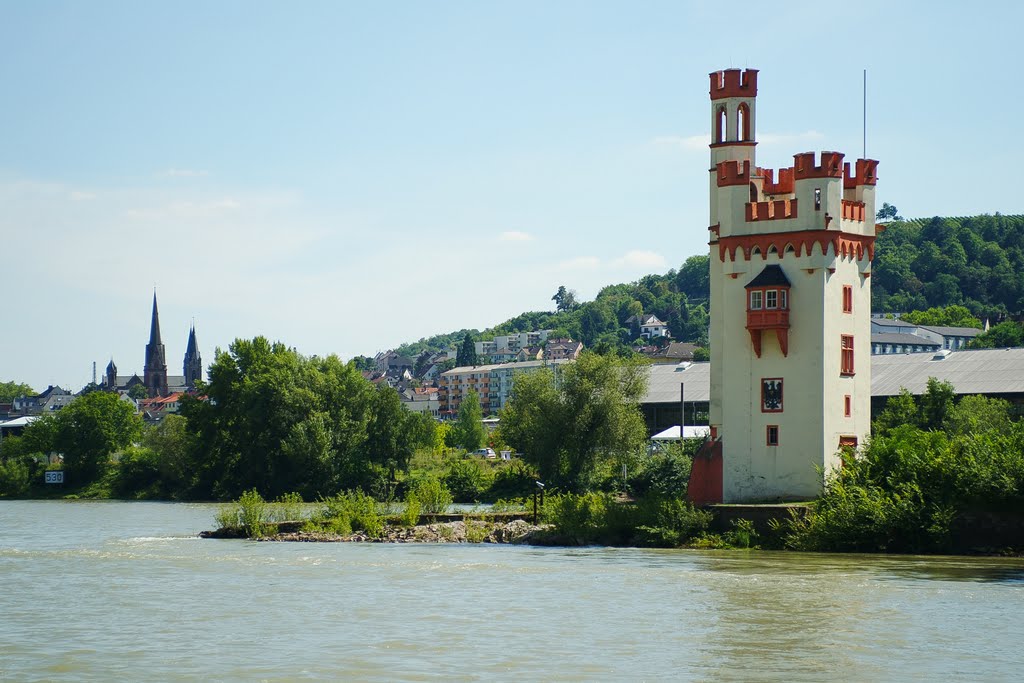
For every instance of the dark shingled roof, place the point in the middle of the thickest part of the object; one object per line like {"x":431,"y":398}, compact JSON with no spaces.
{"x":771,"y":275}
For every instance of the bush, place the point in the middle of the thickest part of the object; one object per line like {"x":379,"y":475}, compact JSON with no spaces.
{"x":665,"y":473}
{"x":252,"y":514}
{"x":138,"y":474}
{"x":434,"y":497}
{"x":514,"y":481}
{"x":15,"y":477}
{"x":287,"y":508}
{"x":670,"y":522}
{"x":353,"y":511}
{"x":903,"y":491}
{"x":411,"y":514}
{"x":466,"y":480}
{"x":577,"y":518}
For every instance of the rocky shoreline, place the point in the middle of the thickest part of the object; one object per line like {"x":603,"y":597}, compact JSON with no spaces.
{"x":517,"y":531}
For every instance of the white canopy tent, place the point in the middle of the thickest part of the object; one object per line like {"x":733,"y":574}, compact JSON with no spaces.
{"x":689,"y":432}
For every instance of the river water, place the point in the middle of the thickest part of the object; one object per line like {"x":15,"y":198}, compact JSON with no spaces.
{"x":111,"y":591}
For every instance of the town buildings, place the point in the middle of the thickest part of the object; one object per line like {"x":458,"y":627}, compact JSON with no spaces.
{"x":790,"y":381}
{"x":492,"y":384}
{"x":896,"y":336}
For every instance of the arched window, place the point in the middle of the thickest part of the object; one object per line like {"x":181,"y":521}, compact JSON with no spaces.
{"x":743,"y":122}
{"x":720,"y":125}
{"x":753,"y":192}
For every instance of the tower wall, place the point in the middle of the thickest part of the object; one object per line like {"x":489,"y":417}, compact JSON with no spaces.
{"x":779,"y":372}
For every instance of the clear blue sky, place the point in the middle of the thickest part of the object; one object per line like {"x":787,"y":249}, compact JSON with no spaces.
{"x":344,"y":177}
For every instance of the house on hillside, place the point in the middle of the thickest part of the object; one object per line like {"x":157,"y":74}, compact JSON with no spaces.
{"x":673,"y":352}
{"x":649,"y":325}
{"x":563,"y":349}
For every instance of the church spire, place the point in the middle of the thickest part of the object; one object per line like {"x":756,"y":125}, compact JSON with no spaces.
{"x":154,"y":326}
{"x":156,"y":366}
{"x":193,"y":361}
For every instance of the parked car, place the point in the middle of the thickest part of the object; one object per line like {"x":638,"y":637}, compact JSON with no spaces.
{"x":485,"y":452}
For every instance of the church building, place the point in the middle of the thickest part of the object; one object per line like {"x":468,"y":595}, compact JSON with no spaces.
{"x":154,"y":377}
{"x":790,"y":334}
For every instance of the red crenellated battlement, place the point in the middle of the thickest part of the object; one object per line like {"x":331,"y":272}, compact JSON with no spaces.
{"x":733,"y":83}
{"x":866,"y":174}
{"x":730,"y":173}
{"x":852,"y":211}
{"x":785,"y":184}
{"x":831,"y":165}
{"x":771,"y":211}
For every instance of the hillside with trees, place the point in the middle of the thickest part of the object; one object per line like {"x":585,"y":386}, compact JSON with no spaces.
{"x":971,"y":267}
{"x":679,"y":298}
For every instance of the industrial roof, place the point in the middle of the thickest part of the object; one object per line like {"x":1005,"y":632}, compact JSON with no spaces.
{"x":952,"y":331}
{"x":900,"y":338}
{"x":980,"y":371}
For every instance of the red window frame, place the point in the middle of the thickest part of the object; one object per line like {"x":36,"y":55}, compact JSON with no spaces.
{"x":770,"y":432}
{"x":846,"y":355}
{"x":847,"y":299}
{"x":847,"y":406}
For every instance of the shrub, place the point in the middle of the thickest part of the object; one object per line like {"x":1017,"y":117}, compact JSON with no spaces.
{"x":227,"y":517}
{"x":670,"y":522}
{"x":513,"y":505}
{"x":466,"y":480}
{"x":287,"y":508}
{"x":411,"y":515}
{"x":665,"y":473}
{"x":578,"y":518}
{"x":514,"y":481}
{"x":15,"y":477}
{"x":476,"y":532}
{"x":434,"y":497}
{"x":138,"y":474}
{"x":252,"y":514}
{"x":353,"y":511}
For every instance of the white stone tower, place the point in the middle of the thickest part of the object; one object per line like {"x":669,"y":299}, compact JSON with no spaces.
{"x":790,"y":308}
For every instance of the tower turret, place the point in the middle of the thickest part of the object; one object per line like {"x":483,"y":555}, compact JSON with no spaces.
{"x":155,"y":371}
{"x":110,"y":375}
{"x":193,"y":361}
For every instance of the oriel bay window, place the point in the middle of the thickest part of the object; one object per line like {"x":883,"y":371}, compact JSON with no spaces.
{"x":768,"y":307}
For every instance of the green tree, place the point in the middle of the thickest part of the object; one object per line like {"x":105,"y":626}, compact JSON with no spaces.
{"x":468,"y":431}
{"x":899,"y":410}
{"x":138,"y":392}
{"x":565,"y":299}
{"x":694,"y":278}
{"x":392,"y":433}
{"x":171,"y":443}
{"x":466,"y":355}
{"x":1001,"y":336}
{"x":12,"y":390}
{"x":568,"y":426}
{"x":946,"y":316}
{"x":364,"y":363}
{"x":888,"y":212}
{"x":87,"y":431}
{"x":278,"y":422}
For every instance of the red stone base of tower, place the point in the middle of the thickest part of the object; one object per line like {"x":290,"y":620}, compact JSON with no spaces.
{"x":705,"y":486}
